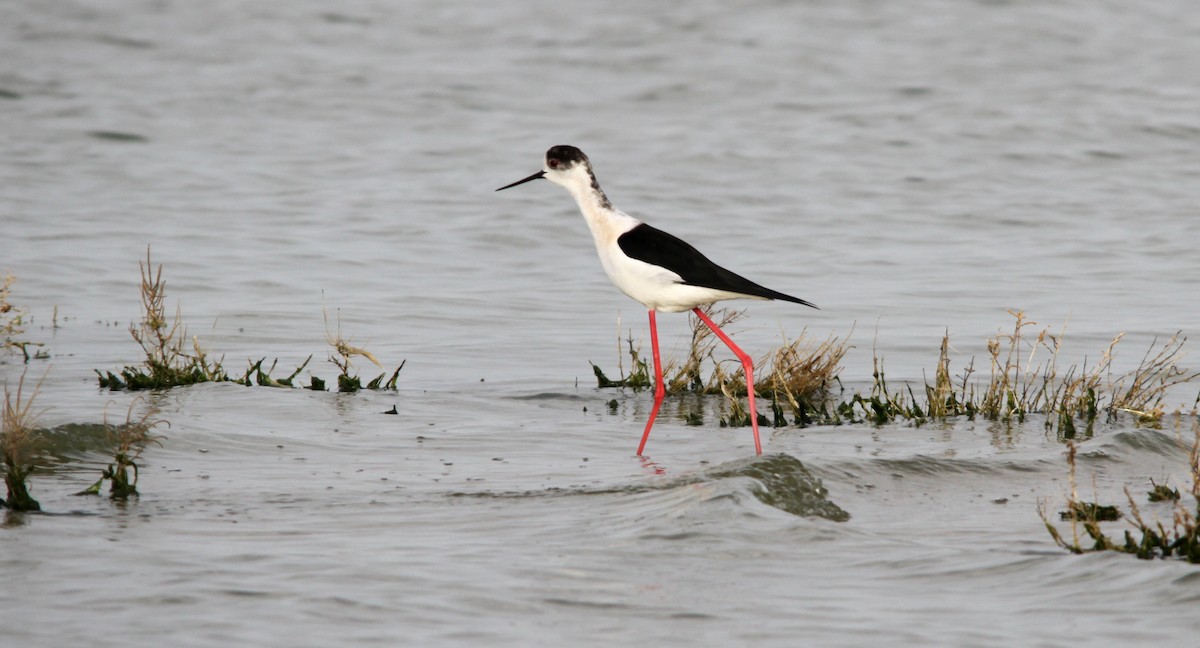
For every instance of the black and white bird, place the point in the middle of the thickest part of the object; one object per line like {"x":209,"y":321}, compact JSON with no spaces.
{"x":653,"y":267}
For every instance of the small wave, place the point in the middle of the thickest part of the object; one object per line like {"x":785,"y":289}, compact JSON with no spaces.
{"x":72,"y":442}
{"x":1149,"y":440}
{"x":785,"y":484}
{"x":782,"y":481}
{"x":925,"y":465}
{"x":551,"y":396}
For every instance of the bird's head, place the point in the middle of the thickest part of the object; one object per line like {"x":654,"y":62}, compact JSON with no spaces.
{"x":565,"y":166}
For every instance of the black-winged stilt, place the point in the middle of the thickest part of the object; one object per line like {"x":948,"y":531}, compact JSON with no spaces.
{"x":653,"y":267}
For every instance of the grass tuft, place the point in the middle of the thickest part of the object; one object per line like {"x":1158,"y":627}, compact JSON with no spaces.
{"x":18,"y":445}
{"x":799,"y":375}
{"x":1180,"y":540}
{"x":341,"y":354}
{"x":129,"y":440}
{"x":1021,"y":383}
{"x":167,"y":363}
{"x":12,"y":322}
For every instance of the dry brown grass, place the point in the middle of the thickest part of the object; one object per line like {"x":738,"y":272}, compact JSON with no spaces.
{"x":18,"y":445}
{"x":1153,"y":539}
{"x":163,"y":341}
{"x":1143,"y":390}
{"x":1025,"y":378}
{"x":800,"y":373}
{"x":12,"y":322}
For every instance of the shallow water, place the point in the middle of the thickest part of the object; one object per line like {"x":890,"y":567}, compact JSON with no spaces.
{"x":912,"y":168}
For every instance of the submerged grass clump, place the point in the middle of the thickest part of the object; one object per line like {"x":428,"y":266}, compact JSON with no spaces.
{"x":799,"y":375}
{"x":1144,"y":539}
{"x":1024,"y":378}
{"x":18,"y":446}
{"x":129,"y":440}
{"x":169,"y":364}
{"x":341,"y":354}
{"x":12,"y":322}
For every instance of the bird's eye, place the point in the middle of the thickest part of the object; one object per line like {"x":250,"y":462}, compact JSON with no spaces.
{"x":553,"y":164}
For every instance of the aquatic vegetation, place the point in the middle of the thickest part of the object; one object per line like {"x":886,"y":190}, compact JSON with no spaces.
{"x":342,"y":353}
{"x":1162,"y":493}
{"x":18,"y":446}
{"x":638,"y":378}
{"x":1180,"y":540}
{"x":167,"y":364}
{"x":1020,"y":384}
{"x":800,"y":374}
{"x":12,"y":322}
{"x":1024,"y":379}
{"x":1142,"y":390}
{"x":129,"y":440}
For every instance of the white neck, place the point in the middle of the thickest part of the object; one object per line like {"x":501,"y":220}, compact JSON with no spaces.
{"x":605,"y":221}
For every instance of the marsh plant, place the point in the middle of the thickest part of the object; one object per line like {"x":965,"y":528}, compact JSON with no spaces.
{"x":129,"y":440}
{"x":342,"y":352}
{"x":798,"y":376}
{"x":256,"y":375}
{"x":172,"y":359}
{"x":1146,"y":540}
{"x":12,"y":324}
{"x":18,"y":446}
{"x":1024,"y":378}
{"x":164,"y":342}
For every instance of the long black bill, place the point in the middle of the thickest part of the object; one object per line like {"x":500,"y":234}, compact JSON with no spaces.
{"x":535,"y":176}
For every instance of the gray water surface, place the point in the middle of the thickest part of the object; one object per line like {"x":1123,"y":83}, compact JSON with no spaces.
{"x":914,"y":168}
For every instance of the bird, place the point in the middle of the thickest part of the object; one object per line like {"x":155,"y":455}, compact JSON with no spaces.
{"x":655,"y":268}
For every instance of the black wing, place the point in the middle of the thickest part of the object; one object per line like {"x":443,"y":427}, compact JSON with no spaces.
{"x":656,"y":247}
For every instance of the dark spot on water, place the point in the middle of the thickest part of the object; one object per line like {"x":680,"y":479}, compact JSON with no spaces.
{"x":123,"y":41}
{"x":586,"y":604}
{"x":9,"y":94}
{"x":343,"y":19}
{"x":118,"y":136}
{"x":914,"y":91}
{"x":1088,"y":511}
{"x":691,"y":615}
{"x":247,"y":593}
{"x":681,"y":536}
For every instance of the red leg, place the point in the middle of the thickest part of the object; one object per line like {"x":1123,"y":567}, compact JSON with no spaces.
{"x":747,"y":364}
{"x":660,"y":390}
